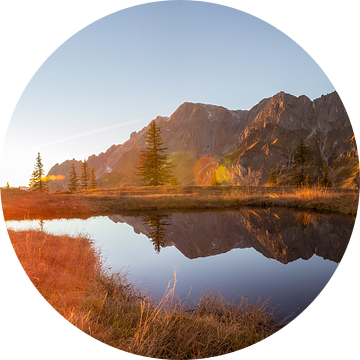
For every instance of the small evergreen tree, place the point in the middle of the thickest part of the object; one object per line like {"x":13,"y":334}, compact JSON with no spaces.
{"x":73,"y":184}
{"x":325,"y":181}
{"x":85,"y":175}
{"x":154,"y":166}
{"x":272,"y":178}
{"x":7,"y":185}
{"x":93,"y":181}
{"x":37,"y":181}
{"x":298,"y":174}
{"x":308,"y":180}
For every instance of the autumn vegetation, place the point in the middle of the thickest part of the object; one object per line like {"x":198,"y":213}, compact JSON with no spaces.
{"x":68,"y":272}
{"x":19,"y":204}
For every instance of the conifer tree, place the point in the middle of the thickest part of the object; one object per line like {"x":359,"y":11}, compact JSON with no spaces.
{"x":73,"y":179}
{"x":298,"y":173}
{"x":272,"y":178}
{"x":37,"y":181}
{"x":308,"y":180}
{"x":325,"y":181}
{"x":93,"y":181}
{"x":85,"y":175}
{"x":154,"y":166}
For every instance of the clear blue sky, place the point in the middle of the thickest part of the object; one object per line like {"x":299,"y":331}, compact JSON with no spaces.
{"x":117,"y":74}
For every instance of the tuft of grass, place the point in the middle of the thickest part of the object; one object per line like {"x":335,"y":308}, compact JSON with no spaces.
{"x":167,"y":329}
{"x":68,"y":273}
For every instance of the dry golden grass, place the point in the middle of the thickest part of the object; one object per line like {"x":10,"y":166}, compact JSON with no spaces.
{"x":123,"y":318}
{"x":333,"y":200}
{"x":17,"y":203}
{"x":220,"y":197}
{"x":68,"y":273}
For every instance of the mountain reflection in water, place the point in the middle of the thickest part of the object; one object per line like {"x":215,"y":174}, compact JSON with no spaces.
{"x":276,"y":233}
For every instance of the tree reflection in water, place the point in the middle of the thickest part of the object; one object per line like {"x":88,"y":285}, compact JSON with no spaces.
{"x":157,"y":225}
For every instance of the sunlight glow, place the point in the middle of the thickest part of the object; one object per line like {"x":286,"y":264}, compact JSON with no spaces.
{"x":53,"y":177}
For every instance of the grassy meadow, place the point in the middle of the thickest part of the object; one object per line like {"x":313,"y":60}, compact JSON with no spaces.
{"x":18,"y":204}
{"x":68,"y":273}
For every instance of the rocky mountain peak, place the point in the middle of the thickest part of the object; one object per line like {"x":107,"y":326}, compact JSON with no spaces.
{"x":243,"y":142}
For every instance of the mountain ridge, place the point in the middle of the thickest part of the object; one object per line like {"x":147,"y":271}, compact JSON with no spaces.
{"x":201,"y":138}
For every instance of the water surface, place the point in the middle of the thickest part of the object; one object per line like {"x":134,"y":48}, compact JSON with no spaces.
{"x":277,"y":254}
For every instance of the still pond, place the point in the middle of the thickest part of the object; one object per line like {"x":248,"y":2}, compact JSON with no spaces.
{"x":277,"y":254}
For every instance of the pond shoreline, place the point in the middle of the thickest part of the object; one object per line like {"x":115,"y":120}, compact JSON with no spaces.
{"x":110,"y":309}
{"x":19,"y":204}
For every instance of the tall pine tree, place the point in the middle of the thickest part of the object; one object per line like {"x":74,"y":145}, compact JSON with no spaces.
{"x":154,"y":166}
{"x":73,"y":184}
{"x":85,"y":175}
{"x":37,"y":181}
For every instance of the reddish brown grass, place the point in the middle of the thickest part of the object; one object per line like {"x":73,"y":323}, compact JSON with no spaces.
{"x":60,"y":267}
{"x":67,"y":272}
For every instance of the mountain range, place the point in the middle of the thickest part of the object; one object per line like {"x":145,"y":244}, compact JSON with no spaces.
{"x":242,"y":146}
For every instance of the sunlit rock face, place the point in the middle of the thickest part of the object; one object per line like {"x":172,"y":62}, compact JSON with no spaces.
{"x":201,"y":138}
{"x":270,"y":139}
{"x":278,"y":234}
{"x":203,"y":130}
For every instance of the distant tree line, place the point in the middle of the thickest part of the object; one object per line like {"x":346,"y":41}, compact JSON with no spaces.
{"x":299,"y":175}
{"x":87,"y":179}
{"x":154,"y":168}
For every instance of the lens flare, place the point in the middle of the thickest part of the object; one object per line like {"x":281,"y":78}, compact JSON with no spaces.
{"x":222,"y":174}
{"x":53,"y":178}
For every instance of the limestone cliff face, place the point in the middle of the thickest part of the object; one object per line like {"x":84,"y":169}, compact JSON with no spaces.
{"x":202,"y":138}
{"x":203,"y":130}
{"x":270,"y":139}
